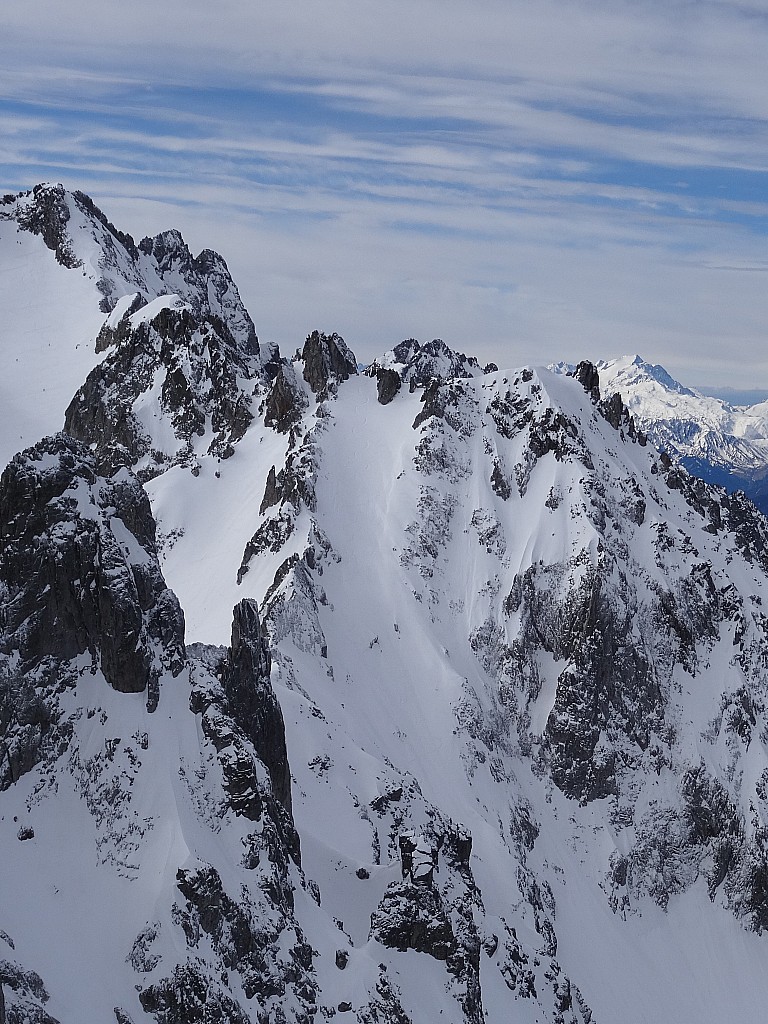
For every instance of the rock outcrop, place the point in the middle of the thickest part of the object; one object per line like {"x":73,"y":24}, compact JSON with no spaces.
{"x":79,"y":569}
{"x":327,"y":358}
{"x":78,"y":577}
{"x":46,"y":213}
{"x":252,"y":701}
{"x":199,"y":373}
{"x":419,"y":365}
{"x":27,"y":996}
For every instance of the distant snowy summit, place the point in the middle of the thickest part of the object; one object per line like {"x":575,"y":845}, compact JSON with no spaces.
{"x":719,"y":442}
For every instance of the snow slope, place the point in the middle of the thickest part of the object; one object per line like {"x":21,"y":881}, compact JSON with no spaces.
{"x":49,"y":320}
{"x":387,"y":673}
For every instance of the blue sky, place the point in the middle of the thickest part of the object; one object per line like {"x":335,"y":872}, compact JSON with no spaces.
{"x":529,"y":181}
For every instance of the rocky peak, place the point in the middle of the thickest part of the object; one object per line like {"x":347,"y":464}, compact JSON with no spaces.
{"x":327,"y":357}
{"x":634,"y":371}
{"x":418,"y":365}
{"x":287,"y":400}
{"x":79,"y":570}
{"x":169,"y":251}
{"x":587,"y":375}
{"x":157,"y":266}
{"x":388,"y":383}
{"x":249,"y":651}
{"x":45,"y":211}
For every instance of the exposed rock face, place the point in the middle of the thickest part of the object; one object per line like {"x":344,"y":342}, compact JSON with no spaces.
{"x":327,"y":357}
{"x":27,"y":996}
{"x":286,"y":402}
{"x":250,"y":933}
{"x":412,"y":916}
{"x":208,"y":287}
{"x":46,"y":213}
{"x":388,"y":383}
{"x":587,"y":375}
{"x":198,"y":371}
{"x":78,"y":577}
{"x":79,"y":569}
{"x":28,"y":726}
{"x":243,"y":939}
{"x":191,"y":996}
{"x":419,"y":365}
{"x":251,"y":699}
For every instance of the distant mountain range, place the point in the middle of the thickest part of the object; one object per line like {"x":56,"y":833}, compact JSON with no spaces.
{"x":721,"y":442}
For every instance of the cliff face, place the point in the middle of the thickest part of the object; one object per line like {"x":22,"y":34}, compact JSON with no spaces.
{"x":89,"y":623}
{"x":80,"y":576}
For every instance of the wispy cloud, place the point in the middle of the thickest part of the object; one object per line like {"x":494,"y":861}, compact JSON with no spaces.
{"x":544,"y":180}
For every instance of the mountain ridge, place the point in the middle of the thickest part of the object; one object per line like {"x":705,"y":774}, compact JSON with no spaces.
{"x":722,"y":443}
{"x":472,"y":610}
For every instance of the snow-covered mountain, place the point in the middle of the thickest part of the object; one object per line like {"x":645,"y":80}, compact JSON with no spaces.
{"x":723,"y":444}
{"x":423,"y":694}
{"x":64,"y":265}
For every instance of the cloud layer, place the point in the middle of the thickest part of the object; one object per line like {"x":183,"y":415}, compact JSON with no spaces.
{"x":528,"y":181}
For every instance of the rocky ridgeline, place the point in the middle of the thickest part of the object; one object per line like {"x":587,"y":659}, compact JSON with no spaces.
{"x":203,"y":380}
{"x":72,"y":226}
{"x":327,"y":363}
{"x":195,"y":347}
{"x":82,"y":592}
{"x":253,"y":940}
{"x":246,"y":956}
{"x":419,"y":365}
{"x":621,"y":618}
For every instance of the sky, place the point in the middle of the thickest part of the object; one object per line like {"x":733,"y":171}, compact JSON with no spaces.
{"x":530,"y":180}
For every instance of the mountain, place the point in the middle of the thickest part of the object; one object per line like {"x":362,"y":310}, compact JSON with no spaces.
{"x":64,"y":267}
{"x":722,"y":443}
{"x":428,"y":693}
